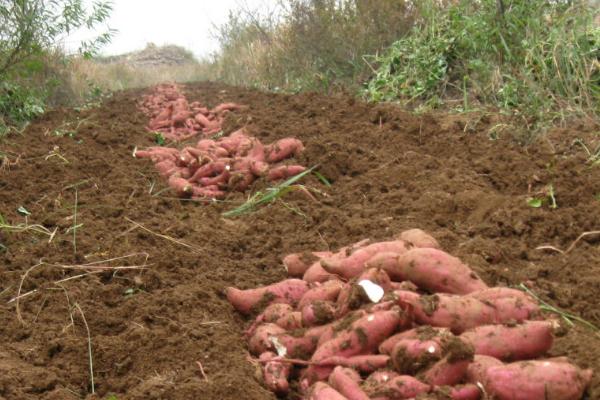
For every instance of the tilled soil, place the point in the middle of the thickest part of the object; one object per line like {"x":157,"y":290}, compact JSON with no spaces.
{"x":152,"y":328}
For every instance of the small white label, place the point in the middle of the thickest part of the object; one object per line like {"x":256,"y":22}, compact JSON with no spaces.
{"x":374,"y":291}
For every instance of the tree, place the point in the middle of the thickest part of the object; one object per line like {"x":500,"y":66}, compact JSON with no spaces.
{"x":30,"y":27}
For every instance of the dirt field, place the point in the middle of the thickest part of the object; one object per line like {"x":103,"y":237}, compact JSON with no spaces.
{"x":390,"y":171}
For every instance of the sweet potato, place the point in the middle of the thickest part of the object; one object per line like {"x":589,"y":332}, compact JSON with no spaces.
{"x":212,"y":192}
{"x":460,"y":313}
{"x":390,"y":386}
{"x":284,"y":172}
{"x":181,"y":186}
{"x":275,"y":373}
{"x":411,"y":355}
{"x":448,"y":371}
{"x":226,"y":107}
{"x":363,"y":337}
{"x":260,"y":341}
{"x":347,"y":382}
{"x":316,"y":273}
{"x":366,"y":364}
{"x":433,"y":270}
{"x":422,"y":333}
{"x":322,"y":391}
{"x":477,"y":368}
{"x":270,"y":314}
{"x":291,"y":321}
{"x":296,"y":264}
{"x":302,"y":344}
{"x":419,"y":238}
{"x":283,"y":149}
{"x":326,"y":291}
{"x":468,"y":391}
{"x":354,"y":265}
{"x":287,"y":291}
{"x":494,"y":293}
{"x":530,"y":339}
{"x":536,"y":379}
{"x":318,"y":312}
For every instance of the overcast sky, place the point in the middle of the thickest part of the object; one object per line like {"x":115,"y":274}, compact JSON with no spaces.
{"x":183,"y":22}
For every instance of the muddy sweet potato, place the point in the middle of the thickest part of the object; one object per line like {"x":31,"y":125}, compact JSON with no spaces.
{"x":288,"y":291}
{"x":270,"y":314}
{"x":284,"y":172}
{"x":326,"y":291}
{"x":365,"y":364}
{"x":411,"y":355}
{"x":467,"y":391}
{"x":422,"y":333}
{"x":316,"y":273}
{"x":477,"y":368}
{"x":347,"y":382}
{"x":354,"y":265}
{"x":182,"y":187}
{"x":291,"y":321}
{"x":433,"y":270}
{"x":388,"y":385}
{"x":275,"y":373}
{"x":362,"y":337}
{"x":536,"y":379}
{"x":419,"y":238}
{"x":528,"y":340}
{"x":296,"y":264}
{"x":322,"y":391}
{"x":317,"y":312}
{"x":283,"y":148}
{"x":260,"y":341}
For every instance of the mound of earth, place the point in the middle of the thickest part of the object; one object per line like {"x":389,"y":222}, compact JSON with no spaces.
{"x":151,"y":329}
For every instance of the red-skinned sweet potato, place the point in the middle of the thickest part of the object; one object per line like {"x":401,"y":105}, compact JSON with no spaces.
{"x":468,"y":391}
{"x":275,"y":373}
{"x":347,"y":382}
{"x":476,"y":369}
{"x":418,"y":238}
{"x":317,"y":312}
{"x":283,"y":148}
{"x":390,"y":386}
{"x":322,"y":391}
{"x":354,"y":265}
{"x":420,"y":333}
{"x":528,"y":340}
{"x":260,"y":341}
{"x":326,"y":291}
{"x":291,"y":321}
{"x":296,"y":264}
{"x":284,"y":172}
{"x":536,"y":379}
{"x":287,"y":291}
{"x":433,"y":270}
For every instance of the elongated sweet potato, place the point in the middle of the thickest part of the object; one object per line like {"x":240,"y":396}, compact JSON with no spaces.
{"x":422,"y":333}
{"x":287,"y":291}
{"x":318,"y":312}
{"x":291,"y":321}
{"x":354,"y":265}
{"x":260,"y":341}
{"x":283,"y":149}
{"x":363,"y":337}
{"x":411,"y":355}
{"x":477,"y":368}
{"x":389,"y":385}
{"x":536,"y":379}
{"x":182,"y":187}
{"x":284,"y":172}
{"x":418,"y":238}
{"x":450,"y":370}
{"x":322,"y":391}
{"x":347,"y":382}
{"x":460,"y":313}
{"x":271,"y":314}
{"x":468,"y":391}
{"x":365,"y":364}
{"x":275,"y":373}
{"x":530,"y":339}
{"x":326,"y":291}
{"x":433,"y":270}
{"x":296,"y":264}
{"x":316,"y":273}
{"x":495,"y":293}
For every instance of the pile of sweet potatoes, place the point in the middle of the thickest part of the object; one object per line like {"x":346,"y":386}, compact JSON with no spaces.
{"x":401,"y":319}
{"x":211,"y":168}
{"x":176,"y":119}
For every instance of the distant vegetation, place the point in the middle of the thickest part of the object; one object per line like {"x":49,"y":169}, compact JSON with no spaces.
{"x":537,"y":60}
